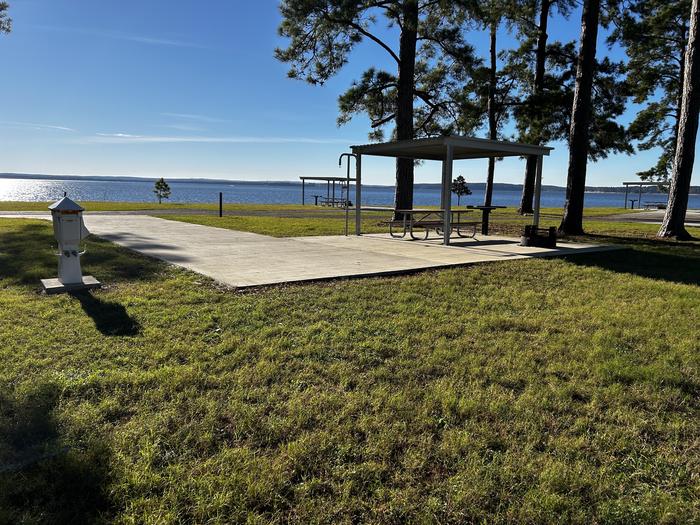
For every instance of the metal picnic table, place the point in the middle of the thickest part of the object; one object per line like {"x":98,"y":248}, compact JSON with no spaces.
{"x":485,"y":212}
{"x":430,"y":219}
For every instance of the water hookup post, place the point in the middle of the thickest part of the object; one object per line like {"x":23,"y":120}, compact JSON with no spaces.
{"x":69,"y":230}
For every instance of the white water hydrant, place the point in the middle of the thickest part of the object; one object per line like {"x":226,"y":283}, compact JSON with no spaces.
{"x":69,"y":229}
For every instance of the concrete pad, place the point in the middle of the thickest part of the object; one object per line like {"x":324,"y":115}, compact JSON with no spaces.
{"x":53,"y":286}
{"x":242,"y":259}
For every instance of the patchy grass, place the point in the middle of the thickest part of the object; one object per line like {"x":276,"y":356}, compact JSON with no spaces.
{"x":533,"y":391}
{"x":333,"y":223}
{"x":154,"y":206}
{"x":285,"y":226}
{"x":149,"y":206}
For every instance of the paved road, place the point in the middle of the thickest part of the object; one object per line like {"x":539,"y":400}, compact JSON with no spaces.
{"x":692,"y":217}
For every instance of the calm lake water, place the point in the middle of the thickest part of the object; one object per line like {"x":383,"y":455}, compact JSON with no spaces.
{"x":272,"y":193}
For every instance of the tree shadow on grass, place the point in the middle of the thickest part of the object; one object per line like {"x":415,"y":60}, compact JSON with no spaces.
{"x":45,"y":477}
{"x":27,"y":254}
{"x":656,"y":259}
{"x":110,"y":318}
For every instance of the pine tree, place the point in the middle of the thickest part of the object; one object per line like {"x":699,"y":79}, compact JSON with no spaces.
{"x":5,"y":20}
{"x":499,"y":83}
{"x":654,"y":34}
{"x":572,"y":222}
{"x":162,"y":190}
{"x":544,"y":114}
{"x":674,"y":220}
{"x":534,"y":118}
{"x":322,"y":34}
{"x":460,"y":188}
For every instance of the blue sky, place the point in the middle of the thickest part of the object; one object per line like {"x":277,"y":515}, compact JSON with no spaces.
{"x":191,"y":89}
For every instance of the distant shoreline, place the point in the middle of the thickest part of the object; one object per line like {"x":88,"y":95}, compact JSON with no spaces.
{"x":694,"y":190}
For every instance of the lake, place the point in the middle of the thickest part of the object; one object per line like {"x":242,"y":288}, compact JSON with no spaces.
{"x":272,"y":193}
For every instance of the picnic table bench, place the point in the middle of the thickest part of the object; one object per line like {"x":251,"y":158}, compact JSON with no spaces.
{"x":428,"y":220}
{"x":335,"y":203}
{"x":655,"y":205}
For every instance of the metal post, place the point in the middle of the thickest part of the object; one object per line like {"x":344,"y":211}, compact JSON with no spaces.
{"x":302,"y":191}
{"x":346,"y":203}
{"x":627,"y":190}
{"x":358,"y":194}
{"x":221,"y":204}
{"x":538,"y":192}
{"x":639,"y":204}
{"x":446,"y":196}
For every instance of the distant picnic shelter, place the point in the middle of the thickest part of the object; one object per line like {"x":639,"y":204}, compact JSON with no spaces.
{"x":329,"y":199}
{"x":446,"y":150}
{"x":640,"y":185}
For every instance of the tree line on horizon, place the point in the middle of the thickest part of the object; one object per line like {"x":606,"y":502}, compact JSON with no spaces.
{"x":544,"y":89}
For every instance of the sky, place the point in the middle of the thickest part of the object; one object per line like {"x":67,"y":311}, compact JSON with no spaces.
{"x":192,"y":89}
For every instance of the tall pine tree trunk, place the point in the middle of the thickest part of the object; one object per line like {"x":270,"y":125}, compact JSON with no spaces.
{"x":493,"y":125}
{"x":403,"y":198}
{"x":674,"y":219}
{"x":540,"y":62}
{"x":572,"y":222}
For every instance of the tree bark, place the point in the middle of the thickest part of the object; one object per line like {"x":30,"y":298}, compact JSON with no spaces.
{"x":674,"y":219}
{"x":540,"y":62}
{"x":493,"y":124}
{"x":572,"y":222}
{"x":403,"y":198}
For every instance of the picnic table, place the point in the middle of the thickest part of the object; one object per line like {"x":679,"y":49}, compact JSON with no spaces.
{"x":427,"y":220}
{"x":485,"y":211}
{"x":333,"y":202}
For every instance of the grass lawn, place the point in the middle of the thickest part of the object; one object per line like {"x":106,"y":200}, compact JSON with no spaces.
{"x":334,"y":224}
{"x":149,"y":206}
{"x":530,"y":391}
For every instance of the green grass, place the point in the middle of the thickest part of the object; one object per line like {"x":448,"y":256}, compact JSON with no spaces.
{"x":531,"y":391}
{"x":372,"y":222}
{"x":284,"y":226}
{"x":154,"y":206}
{"x":148,"y":206}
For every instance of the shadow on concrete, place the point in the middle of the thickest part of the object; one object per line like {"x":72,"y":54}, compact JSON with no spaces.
{"x":146,"y":245}
{"x":110,"y":318}
{"x":45,"y":476}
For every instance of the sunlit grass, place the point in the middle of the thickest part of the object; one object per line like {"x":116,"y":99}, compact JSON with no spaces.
{"x":530,"y":391}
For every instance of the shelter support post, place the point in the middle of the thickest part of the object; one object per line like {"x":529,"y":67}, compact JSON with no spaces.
{"x":358,"y":194}
{"x":446,"y":194}
{"x":302,"y":191}
{"x":627,"y":190}
{"x":639,"y":202}
{"x":538,"y":192}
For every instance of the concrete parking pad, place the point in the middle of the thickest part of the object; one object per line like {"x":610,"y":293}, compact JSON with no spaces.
{"x":242,"y":259}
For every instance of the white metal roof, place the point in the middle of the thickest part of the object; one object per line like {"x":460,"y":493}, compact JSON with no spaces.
{"x":66,"y":204}
{"x":462,"y":148}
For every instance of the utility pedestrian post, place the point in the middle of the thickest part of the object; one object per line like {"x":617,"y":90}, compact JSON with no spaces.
{"x":69,"y":231}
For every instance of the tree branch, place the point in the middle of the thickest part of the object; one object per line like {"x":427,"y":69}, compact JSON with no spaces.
{"x":357,"y":27}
